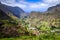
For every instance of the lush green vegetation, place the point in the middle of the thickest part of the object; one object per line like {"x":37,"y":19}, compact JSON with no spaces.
{"x":43,"y":27}
{"x":50,"y":36}
{"x":37,"y":26}
{"x":41,"y":30}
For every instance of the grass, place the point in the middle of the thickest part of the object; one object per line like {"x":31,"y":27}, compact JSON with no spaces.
{"x":19,"y":38}
{"x":50,"y":36}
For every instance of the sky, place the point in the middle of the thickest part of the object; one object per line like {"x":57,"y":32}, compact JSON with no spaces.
{"x":31,"y":5}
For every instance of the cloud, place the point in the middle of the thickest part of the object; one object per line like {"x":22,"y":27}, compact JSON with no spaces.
{"x":28,"y":6}
{"x":37,"y":6}
{"x":8,"y":1}
{"x":51,"y":1}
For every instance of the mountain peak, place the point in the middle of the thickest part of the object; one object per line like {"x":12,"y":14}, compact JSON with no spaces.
{"x":54,"y":7}
{"x":16,"y":11}
{"x":58,"y":5}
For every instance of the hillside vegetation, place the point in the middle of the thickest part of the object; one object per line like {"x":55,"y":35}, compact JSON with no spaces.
{"x":37,"y":26}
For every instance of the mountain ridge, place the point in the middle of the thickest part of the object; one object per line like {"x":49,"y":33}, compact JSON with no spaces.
{"x":16,"y":11}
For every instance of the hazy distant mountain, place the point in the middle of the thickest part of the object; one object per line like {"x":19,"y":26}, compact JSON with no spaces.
{"x":52,"y":13}
{"x":16,"y":11}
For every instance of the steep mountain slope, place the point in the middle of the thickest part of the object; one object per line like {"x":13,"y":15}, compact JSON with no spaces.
{"x":57,"y":7}
{"x":54,"y":9}
{"x":16,"y":11}
{"x":9,"y":23}
{"x":3,"y":15}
